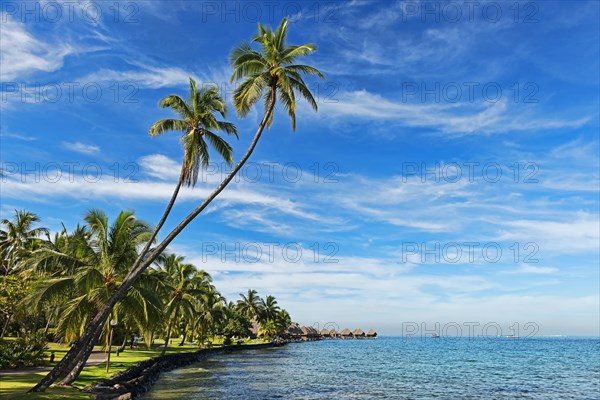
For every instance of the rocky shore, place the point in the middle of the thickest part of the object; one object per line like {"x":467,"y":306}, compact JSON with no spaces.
{"x":137,"y":380}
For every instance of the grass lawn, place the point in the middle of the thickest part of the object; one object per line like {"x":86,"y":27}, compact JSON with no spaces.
{"x":16,"y":386}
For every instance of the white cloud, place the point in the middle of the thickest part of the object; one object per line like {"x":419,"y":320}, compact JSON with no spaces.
{"x":82,"y":147}
{"x":452,"y":118}
{"x":147,"y":77}
{"x":531,"y":269}
{"x":18,"y":136}
{"x":160,"y":166}
{"x":22,"y":53}
{"x":580,"y":232}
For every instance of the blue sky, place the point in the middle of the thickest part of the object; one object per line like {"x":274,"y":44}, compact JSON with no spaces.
{"x":451,"y":173}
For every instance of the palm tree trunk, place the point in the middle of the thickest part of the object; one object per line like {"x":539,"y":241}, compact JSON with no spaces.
{"x":80,"y":361}
{"x":5,"y":327}
{"x":122,"y":348}
{"x":162,"y":220}
{"x":164,"y":350}
{"x":47,"y":326}
{"x":184,"y":335}
{"x":69,"y":361}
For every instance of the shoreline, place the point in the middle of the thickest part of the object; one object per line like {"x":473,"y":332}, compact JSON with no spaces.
{"x":137,"y":380}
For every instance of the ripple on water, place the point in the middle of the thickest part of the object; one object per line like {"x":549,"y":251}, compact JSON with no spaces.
{"x":396,"y":368}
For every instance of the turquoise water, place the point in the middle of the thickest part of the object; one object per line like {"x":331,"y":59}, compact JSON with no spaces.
{"x":396,"y":368}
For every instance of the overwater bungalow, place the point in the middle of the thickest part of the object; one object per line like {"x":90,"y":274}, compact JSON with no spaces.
{"x":309,"y":333}
{"x":358,"y":333}
{"x":324,"y":333}
{"x":333,"y":333}
{"x":371,"y":333}
{"x":346,"y":334}
{"x":294,"y":332}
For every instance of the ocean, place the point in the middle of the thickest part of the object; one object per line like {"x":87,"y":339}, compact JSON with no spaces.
{"x":396,"y":368}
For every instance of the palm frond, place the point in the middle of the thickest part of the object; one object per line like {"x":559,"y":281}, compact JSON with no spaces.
{"x":166,"y":125}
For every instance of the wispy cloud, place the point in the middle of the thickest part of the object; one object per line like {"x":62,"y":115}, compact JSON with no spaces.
{"x":18,"y":136}
{"x":23,"y":54}
{"x":152,"y":77}
{"x":82,"y":148}
{"x":160,"y":166}
{"x":528,"y":269}
{"x":456,"y":119}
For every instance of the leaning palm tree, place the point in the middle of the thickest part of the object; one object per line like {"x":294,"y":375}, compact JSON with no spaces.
{"x":267,"y":72}
{"x":17,"y":238}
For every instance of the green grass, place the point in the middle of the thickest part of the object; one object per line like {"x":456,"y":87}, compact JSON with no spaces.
{"x":16,"y":386}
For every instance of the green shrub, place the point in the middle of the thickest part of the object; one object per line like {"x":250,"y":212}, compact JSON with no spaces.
{"x":23,"y":352}
{"x":227,"y":341}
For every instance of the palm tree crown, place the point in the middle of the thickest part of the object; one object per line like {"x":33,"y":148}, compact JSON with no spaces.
{"x":197,"y":123}
{"x":271,"y":71}
{"x":18,"y":237}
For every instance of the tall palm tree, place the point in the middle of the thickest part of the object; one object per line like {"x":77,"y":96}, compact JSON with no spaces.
{"x":267,"y":72}
{"x":185,"y":284}
{"x":198,"y":125}
{"x":17,"y":238}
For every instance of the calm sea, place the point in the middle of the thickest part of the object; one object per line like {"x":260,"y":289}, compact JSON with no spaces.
{"x":396,"y":368}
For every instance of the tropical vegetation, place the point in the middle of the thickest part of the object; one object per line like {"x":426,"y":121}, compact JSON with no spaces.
{"x":57,"y":282}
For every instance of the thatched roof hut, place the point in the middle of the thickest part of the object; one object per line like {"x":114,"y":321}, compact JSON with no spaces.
{"x":358,"y":333}
{"x":346,"y":333}
{"x":309,"y":331}
{"x":324,"y":332}
{"x":371,"y":333}
{"x":294,"y":331}
{"x":333,"y":333}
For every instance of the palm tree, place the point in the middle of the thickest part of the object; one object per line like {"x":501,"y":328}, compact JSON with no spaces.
{"x":17,"y":238}
{"x":198,"y":124}
{"x":270,"y":72}
{"x":249,"y":305}
{"x":210,"y":313}
{"x":267,"y":72}
{"x":88,"y":266}
{"x":269,"y":309}
{"x":283,"y":322}
{"x":185,"y":285}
